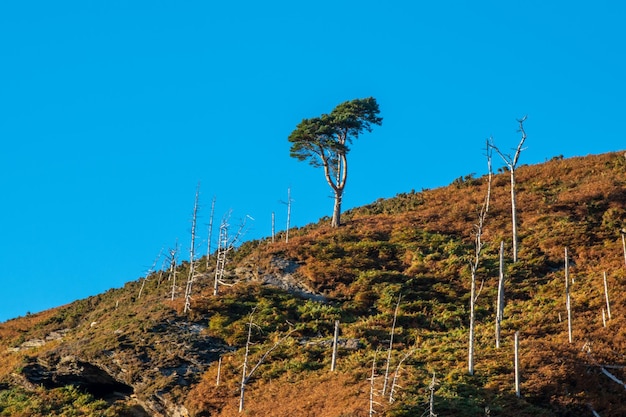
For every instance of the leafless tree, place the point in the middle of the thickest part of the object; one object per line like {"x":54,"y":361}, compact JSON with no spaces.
{"x":288,"y":204}
{"x":431,"y":387}
{"x":568,"y":304}
{"x":148,"y":273}
{"x":511,"y":163}
{"x":245,"y":375}
{"x":516,"y":358}
{"x":333,"y":362}
{"x":192,"y":254}
{"x":478,"y":247}
{"x":372,"y":379}
{"x":225,"y":244}
{"x":500,"y":301}
{"x":393,"y":329}
{"x":396,"y":375}
{"x":210,"y":234}
{"x":172,"y":268}
{"x":606,"y":296}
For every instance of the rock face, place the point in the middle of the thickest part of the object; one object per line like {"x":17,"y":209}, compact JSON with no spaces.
{"x":71,"y":371}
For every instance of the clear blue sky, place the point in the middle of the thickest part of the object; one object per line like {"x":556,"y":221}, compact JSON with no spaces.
{"x":111,"y":112}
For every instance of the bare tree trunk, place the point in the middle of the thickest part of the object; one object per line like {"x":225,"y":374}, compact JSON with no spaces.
{"x":372,"y":378}
{"x":150,"y":271}
{"x":511,"y":163}
{"x":517,"y":379}
{"x":396,"y":375}
{"x":244,"y":371}
{"x":222,"y":244}
{"x":500,"y":303}
{"x":245,"y":377}
{"x":219,"y":372}
{"x":567,"y":298}
{"x":474,"y":269}
{"x":273,"y":227}
{"x":606,"y":296}
{"x":173,"y":253}
{"x":393,"y":328}
{"x":623,"y":233}
{"x":288,"y":214}
{"x":225,"y":245}
{"x":210,"y":236}
{"x":470,"y":359}
{"x":431,"y":387}
{"x":333,"y":362}
{"x":192,"y":254}
{"x":514,"y":214}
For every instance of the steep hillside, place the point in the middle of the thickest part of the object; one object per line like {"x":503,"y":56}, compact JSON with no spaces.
{"x":133,"y":352}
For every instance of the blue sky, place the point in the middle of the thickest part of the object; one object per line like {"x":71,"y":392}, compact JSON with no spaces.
{"x":111,"y":112}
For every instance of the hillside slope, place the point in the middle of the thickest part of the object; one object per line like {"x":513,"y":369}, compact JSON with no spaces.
{"x":120,"y":353}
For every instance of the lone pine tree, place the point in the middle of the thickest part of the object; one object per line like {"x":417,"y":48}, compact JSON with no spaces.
{"x":324,"y":142}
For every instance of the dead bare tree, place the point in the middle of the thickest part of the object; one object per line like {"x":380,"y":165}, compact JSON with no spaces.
{"x":172,"y":269}
{"x":478,"y":247}
{"x":333,"y":362}
{"x":516,"y":358}
{"x":606,"y":296}
{"x":372,"y":379}
{"x":396,"y":375}
{"x":245,"y":376}
{"x":192,"y":254}
{"x":210,"y":235}
{"x":568,"y":304}
{"x":273,"y":227}
{"x":288,"y":204}
{"x":224,"y":245}
{"x":500,"y":301}
{"x":623,"y":233}
{"x":393,"y":328}
{"x":511,"y":163}
{"x":148,"y":273}
{"x":431,"y":388}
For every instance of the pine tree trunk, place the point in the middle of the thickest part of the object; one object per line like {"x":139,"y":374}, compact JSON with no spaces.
{"x":336,"y":222}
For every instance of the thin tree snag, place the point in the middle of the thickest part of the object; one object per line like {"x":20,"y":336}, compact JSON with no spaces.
{"x":219,"y":372}
{"x":393,"y":328}
{"x":333,"y":363}
{"x":210,"y":235}
{"x":431,"y":387}
{"x":245,"y":375}
{"x":273,"y":227}
{"x":288,"y":214}
{"x":511,"y":163}
{"x":372,"y":379}
{"x":606,"y":296}
{"x":225,"y":244}
{"x":396,"y":374}
{"x":568,"y":305}
{"x":192,"y":253}
{"x":500,"y":301}
{"x":623,"y":233}
{"x":172,"y":269}
{"x":478,"y":247}
{"x":150,"y":271}
{"x":516,"y":354}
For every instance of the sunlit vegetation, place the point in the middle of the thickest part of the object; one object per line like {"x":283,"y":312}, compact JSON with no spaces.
{"x":417,"y":244}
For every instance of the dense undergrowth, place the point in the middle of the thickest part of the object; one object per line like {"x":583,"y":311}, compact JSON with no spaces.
{"x":417,"y":245}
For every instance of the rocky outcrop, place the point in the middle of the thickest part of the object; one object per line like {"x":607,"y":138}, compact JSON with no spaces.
{"x":70,"y":370}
